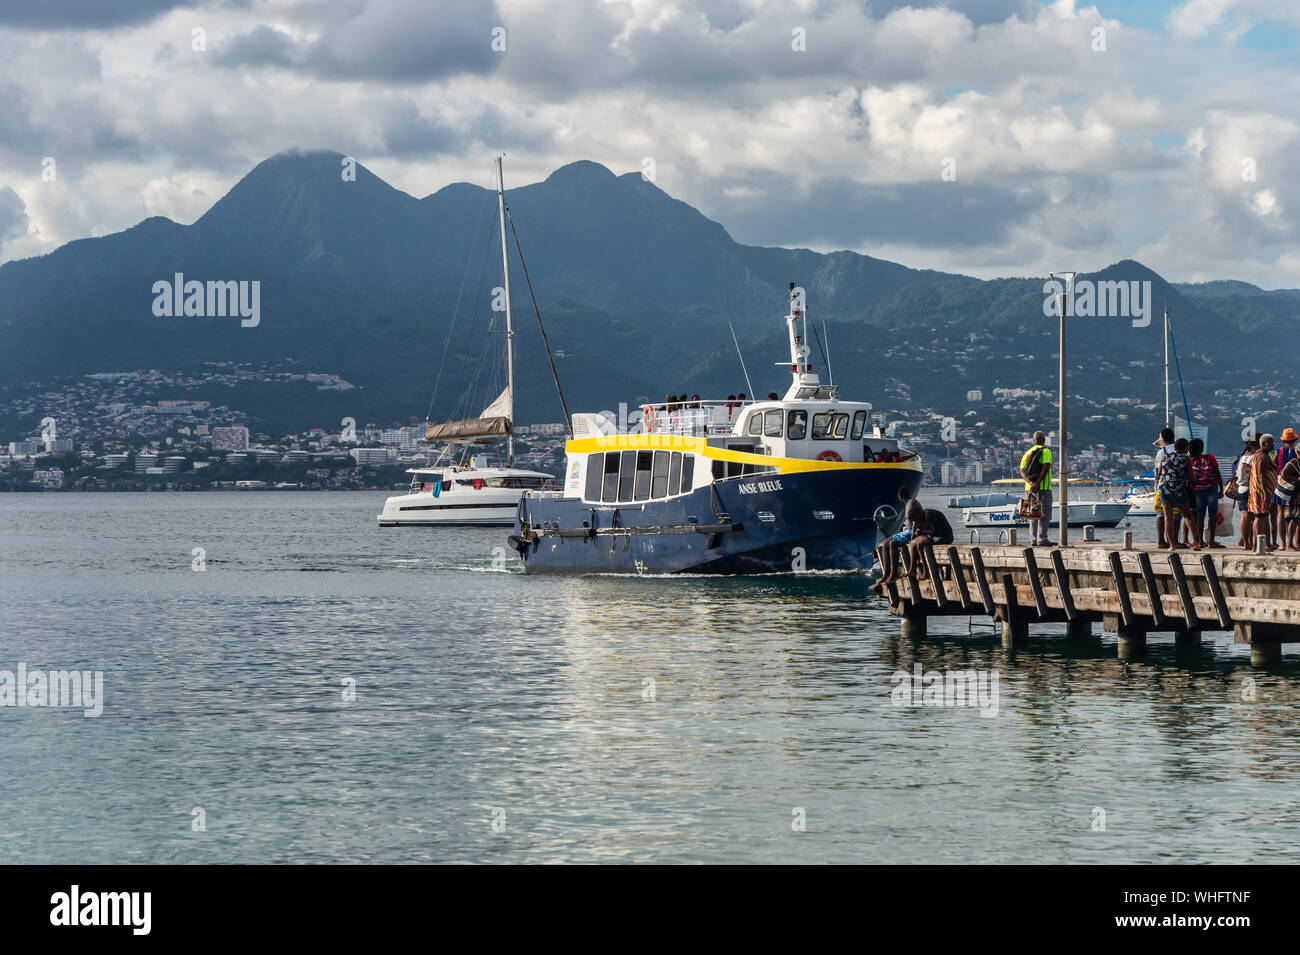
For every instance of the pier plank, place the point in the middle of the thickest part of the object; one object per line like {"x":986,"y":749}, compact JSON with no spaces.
{"x":959,"y":576}
{"x":1154,"y":607}
{"x":1121,"y":589}
{"x":1188,"y":607}
{"x":982,"y":579}
{"x":932,"y":568}
{"x":1063,"y":585}
{"x":1035,"y":585}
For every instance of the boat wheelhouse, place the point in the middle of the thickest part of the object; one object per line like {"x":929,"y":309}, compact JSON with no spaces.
{"x":784,"y":485}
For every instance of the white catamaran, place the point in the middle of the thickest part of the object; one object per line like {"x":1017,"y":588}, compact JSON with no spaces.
{"x":477,"y":492}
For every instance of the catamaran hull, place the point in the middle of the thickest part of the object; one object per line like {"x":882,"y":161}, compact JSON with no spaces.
{"x":488,"y":508}
{"x":788,"y":523}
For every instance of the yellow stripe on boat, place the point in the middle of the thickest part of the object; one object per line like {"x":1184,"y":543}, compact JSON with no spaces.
{"x":700,"y":446}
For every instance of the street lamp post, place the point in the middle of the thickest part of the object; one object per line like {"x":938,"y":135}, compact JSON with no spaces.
{"x":1062,"y":472}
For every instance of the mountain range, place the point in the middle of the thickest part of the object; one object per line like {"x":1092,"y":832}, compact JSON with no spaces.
{"x":639,"y":293}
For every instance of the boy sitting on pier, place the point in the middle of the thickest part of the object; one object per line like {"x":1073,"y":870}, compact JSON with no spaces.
{"x":922,"y":526}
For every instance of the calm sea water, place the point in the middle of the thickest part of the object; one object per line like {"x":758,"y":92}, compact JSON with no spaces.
{"x":485,"y":696}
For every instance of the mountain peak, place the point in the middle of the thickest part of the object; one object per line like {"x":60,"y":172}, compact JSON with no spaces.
{"x":582,"y":171}
{"x":315,"y":209}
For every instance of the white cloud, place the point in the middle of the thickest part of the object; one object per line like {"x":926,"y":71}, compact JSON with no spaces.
{"x":1080,"y":146}
{"x":1197,"y":17}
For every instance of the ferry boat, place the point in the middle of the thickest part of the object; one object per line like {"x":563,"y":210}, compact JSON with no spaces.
{"x":794,"y":484}
{"x":477,"y":492}
{"x":1002,"y":509}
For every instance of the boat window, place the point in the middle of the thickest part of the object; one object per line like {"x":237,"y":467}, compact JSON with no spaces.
{"x":859,"y":425}
{"x":772,"y":424}
{"x":829,"y":427}
{"x":796,"y":425}
{"x":659,"y":483}
{"x":675,"y":474}
{"x":626,"y":474}
{"x":609,"y":490}
{"x":756,"y":423}
{"x":595,"y":473}
{"x":688,"y":473}
{"x":643,"y":462}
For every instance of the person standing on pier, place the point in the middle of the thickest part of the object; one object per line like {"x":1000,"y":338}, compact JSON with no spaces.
{"x":1288,"y":489}
{"x":1173,"y":478}
{"x":1165,"y":442}
{"x":1281,"y":458}
{"x":1206,"y":487}
{"x":1036,"y":470}
{"x":1239,"y":490}
{"x":1263,"y":488}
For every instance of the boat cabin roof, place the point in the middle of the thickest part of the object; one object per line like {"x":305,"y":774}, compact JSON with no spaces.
{"x":464,"y":473}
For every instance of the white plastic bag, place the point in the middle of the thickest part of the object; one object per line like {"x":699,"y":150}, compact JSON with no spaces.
{"x":1223,"y":525}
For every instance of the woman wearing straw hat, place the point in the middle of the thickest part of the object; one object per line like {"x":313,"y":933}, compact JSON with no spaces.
{"x":1288,"y":476}
{"x":1281,"y":459}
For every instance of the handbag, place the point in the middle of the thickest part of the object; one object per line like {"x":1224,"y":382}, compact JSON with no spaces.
{"x":1031,"y":508}
{"x":1285,"y":489}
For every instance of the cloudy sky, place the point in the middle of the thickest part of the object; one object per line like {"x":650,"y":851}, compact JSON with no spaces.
{"x":991,"y":137}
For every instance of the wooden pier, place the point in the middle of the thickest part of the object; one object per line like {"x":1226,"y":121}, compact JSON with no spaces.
{"x":1131,"y":591}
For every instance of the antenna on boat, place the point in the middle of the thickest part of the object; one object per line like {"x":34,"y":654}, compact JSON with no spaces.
{"x":744,"y":370}
{"x":801,"y":373}
{"x":510,"y":332}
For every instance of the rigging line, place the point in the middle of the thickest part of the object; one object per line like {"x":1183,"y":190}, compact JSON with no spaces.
{"x":446,"y":345}
{"x":478,"y":298}
{"x":826,"y":334}
{"x":822,"y":349}
{"x":741,"y":356}
{"x":568,"y":427}
{"x":1177,"y":367}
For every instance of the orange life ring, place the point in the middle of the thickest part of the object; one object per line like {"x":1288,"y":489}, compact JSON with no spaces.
{"x":829,"y":456}
{"x":647,"y":419}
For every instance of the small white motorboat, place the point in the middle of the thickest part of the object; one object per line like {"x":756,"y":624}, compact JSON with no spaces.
{"x":1002,"y":509}
{"x":1141,"y":495}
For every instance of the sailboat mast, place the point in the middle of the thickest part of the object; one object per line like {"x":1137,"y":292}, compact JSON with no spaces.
{"x":510,"y":332}
{"x":1169,"y":422}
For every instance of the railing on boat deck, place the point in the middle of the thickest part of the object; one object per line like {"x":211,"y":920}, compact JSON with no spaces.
{"x":692,"y":417}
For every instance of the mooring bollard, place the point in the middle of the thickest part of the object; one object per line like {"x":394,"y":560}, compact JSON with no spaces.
{"x":1128,"y":540}
{"x":1089,"y":532}
{"x":1261,"y":544}
{"x":1011,"y":536}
